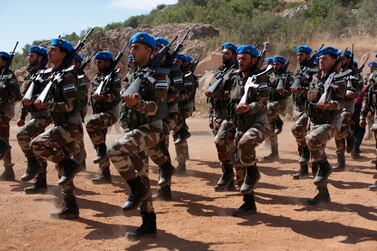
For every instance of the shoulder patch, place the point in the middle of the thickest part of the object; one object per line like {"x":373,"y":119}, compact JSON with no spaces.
{"x":69,"y":88}
{"x":161,"y":84}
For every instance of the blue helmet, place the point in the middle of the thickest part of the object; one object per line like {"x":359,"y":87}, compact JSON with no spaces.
{"x":229,"y":46}
{"x":104,"y":55}
{"x":62,"y":43}
{"x":248,"y":49}
{"x":145,"y":38}
{"x":4,"y":55}
{"x":279,"y":59}
{"x":304,"y":48}
{"x":328,"y":50}
{"x":161,"y":41}
{"x":39,"y":50}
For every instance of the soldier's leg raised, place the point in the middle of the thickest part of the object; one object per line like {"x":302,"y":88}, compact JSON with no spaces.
{"x":340,"y":140}
{"x":299,"y":130}
{"x":317,"y":139}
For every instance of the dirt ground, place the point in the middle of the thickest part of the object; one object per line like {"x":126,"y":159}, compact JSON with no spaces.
{"x":199,"y":218}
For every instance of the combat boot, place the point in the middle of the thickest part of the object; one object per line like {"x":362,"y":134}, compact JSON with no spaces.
{"x":226,"y":181}
{"x":40,"y":185}
{"x":340,"y":164}
{"x":33,"y":168}
{"x":101,"y":153}
{"x":323,"y":195}
{"x":70,"y":210}
{"x":8,"y":174}
{"x":350,"y":143}
{"x":251,"y":178}
{"x":104,"y":177}
{"x":323,"y":173}
{"x":278,"y":125}
{"x":166,"y":172}
{"x":274,"y":156}
{"x":304,"y":155}
{"x":147,"y":229}
{"x":69,"y":168}
{"x":181,"y":135}
{"x":164,"y":193}
{"x":140,"y":191}
{"x":247,"y":208}
{"x":302,"y":173}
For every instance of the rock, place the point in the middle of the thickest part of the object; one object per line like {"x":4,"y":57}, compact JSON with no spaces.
{"x":203,"y":31}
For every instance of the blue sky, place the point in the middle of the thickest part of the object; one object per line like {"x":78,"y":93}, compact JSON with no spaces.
{"x":27,"y":21}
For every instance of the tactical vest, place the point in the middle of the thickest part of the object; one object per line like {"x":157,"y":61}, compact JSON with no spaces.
{"x":101,"y":106}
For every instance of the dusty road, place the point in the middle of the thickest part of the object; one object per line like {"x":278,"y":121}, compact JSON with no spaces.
{"x":199,"y":218}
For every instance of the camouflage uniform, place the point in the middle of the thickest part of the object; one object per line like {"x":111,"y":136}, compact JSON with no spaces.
{"x":354,"y":87}
{"x":277,"y":104}
{"x":370,"y":106}
{"x":59,"y":144}
{"x":186,"y":106}
{"x":84,"y":83}
{"x":40,"y":120}
{"x":144,"y":129}
{"x":9,"y":95}
{"x":105,"y":112}
{"x":302,"y":78}
{"x":323,"y":126}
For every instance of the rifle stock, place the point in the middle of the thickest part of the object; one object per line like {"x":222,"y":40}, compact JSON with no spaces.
{"x":212,"y":89}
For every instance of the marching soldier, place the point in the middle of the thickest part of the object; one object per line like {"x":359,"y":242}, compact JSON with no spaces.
{"x":35,"y":82}
{"x":218,"y":112}
{"x":280,"y":80}
{"x":326,"y":97}
{"x":105,"y":106}
{"x":59,"y":143}
{"x":145,"y":108}
{"x":302,"y":78}
{"x":9,"y":95}
{"x":248,"y":125}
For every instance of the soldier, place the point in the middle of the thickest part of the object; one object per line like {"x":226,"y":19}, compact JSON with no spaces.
{"x":9,"y":95}
{"x":370,"y":106}
{"x":302,"y":78}
{"x":269,"y":61}
{"x":326,"y":100}
{"x":345,"y":134}
{"x":40,"y":119}
{"x":186,"y":106}
{"x":105,"y":111}
{"x":248,"y":125}
{"x":143,"y":115}
{"x":58,"y":144}
{"x":218,"y":112}
{"x":280,"y":80}
{"x":84,"y":83}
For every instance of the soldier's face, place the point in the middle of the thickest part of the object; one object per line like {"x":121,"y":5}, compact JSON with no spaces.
{"x":245,"y":62}
{"x":103,"y":64}
{"x":277,"y":66}
{"x":32,"y":59}
{"x":55,"y":55}
{"x":141,"y":53}
{"x":227,"y":55}
{"x":301,"y":57}
{"x":345,"y":61}
{"x":326,"y":62}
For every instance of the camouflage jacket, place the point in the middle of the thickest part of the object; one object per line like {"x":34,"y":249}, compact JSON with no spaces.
{"x":9,"y":94}
{"x":280,"y":80}
{"x":302,"y":77}
{"x":370,"y":98}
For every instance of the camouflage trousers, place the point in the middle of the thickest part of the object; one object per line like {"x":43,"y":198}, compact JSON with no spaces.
{"x":57,"y":143}
{"x":245,"y":154}
{"x":317,"y":138}
{"x":97,"y":127}
{"x":300,"y":129}
{"x":344,"y":132}
{"x":225,"y":142}
{"x":374,"y":130}
{"x":128,"y":154}
{"x":274,"y":108}
{"x":32,"y":129}
{"x":4,"y":135}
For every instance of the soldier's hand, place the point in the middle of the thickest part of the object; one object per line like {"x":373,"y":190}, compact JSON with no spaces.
{"x":363,"y":123}
{"x":97,"y":97}
{"x":243,"y":108}
{"x":40,"y":105}
{"x":211,"y":124}
{"x":26,"y":102}
{"x":132,"y":99}
{"x":20,"y":122}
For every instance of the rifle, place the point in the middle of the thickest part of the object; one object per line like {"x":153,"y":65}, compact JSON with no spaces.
{"x":262,"y":55}
{"x":66,"y":64}
{"x":178,"y":47}
{"x":150,"y":70}
{"x":314,"y":56}
{"x":195,"y":63}
{"x":86,"y":61}
{"x":9,"y":62}
{"x":105,"y":82}
{"x":212,"y":89}
{"x":281,"y":87}
{"x":252,"y":82}
{"x":360,"y":70}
